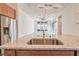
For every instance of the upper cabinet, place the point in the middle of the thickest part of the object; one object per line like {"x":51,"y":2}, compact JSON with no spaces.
{"x":7,"y":10}
{"x":3,"y":9}
{"x":11,"y":12}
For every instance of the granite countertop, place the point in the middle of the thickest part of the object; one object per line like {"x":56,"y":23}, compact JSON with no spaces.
{"x":69,"y":43}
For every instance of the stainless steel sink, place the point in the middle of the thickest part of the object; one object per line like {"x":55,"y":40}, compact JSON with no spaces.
{"x":45,"y":41}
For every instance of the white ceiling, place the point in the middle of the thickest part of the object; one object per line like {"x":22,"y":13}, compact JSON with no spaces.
{"x":49,"y":7}
{"x":32,"y":9}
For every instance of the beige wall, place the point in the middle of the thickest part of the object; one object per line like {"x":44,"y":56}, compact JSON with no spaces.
{"x":69,"y":25}
{"x":25,"y":23}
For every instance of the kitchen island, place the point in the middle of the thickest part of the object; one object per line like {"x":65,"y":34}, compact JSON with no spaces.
{"x":21,"y":48}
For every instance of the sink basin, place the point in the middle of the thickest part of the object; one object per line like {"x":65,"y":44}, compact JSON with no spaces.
{"x":46,"y":41}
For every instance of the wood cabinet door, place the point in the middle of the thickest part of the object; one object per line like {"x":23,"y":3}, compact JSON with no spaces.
{"x":4,"y":9}
{"x":8,"y":52}
{"x":7,"y":10}
{"x":44,"y":53}
{"x":11,"y":13}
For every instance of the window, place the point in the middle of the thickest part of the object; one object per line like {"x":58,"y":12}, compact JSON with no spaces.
{"x":49,"y":26}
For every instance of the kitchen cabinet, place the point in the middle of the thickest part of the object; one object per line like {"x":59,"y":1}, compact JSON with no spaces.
{"x":11,"y":12}
{"x":4,"y":9}
{"x":9,"y":52}
{"x":44,"y":53}
{"x":7,"y":10}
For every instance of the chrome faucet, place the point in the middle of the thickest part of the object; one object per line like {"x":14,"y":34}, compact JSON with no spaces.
{"x":43,"y":34}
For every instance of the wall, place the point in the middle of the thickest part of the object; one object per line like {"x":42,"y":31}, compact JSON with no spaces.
{"x":69,"y":25}
{"x":25,"y":23}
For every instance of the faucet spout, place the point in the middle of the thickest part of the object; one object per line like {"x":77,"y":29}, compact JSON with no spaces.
{"x":43,"y":34}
